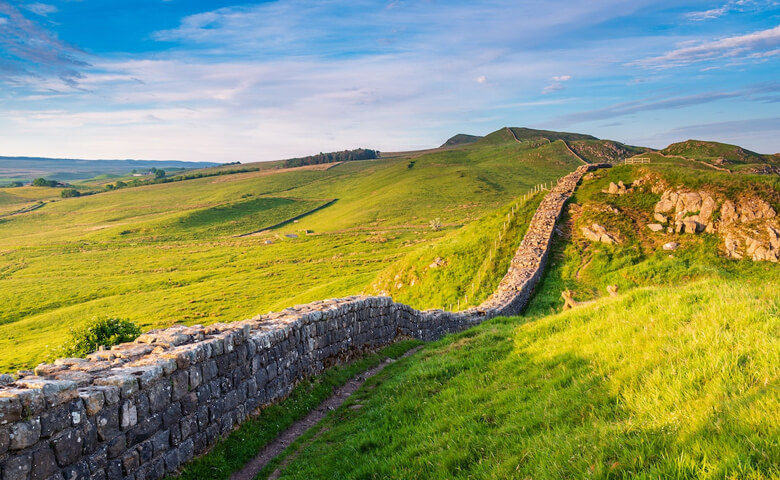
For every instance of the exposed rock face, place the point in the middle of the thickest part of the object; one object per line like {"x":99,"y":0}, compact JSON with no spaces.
{"x":597,"y":233}
{"x":748,"y":226}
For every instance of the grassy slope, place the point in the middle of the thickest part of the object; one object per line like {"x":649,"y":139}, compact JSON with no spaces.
{"x":163,"y":254}
{"x":676,"y":378}
{"x":731,"y":156}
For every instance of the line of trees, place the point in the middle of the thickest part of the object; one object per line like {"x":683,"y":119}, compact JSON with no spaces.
{"x":343,"y":156}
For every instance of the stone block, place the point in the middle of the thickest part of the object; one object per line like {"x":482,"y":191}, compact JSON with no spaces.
{"x":93,"y":400}
{"x":18,"y":467}
{"x":116,"y":446}
{"x":56,"y":392}
{"x":24,"y":434}
{"x":144,"y":430}
{"x":128,"y":415}
{"x":44,"y":464}
{"x":77,"y":471}
{"x":10,"y":409}
{"x":127,"y":384}
{"x":55,"y":420}
{"x":159,"y":396}
{"x":67,"y":447}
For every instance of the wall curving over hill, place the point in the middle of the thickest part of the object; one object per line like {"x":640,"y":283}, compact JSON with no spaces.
{"x":141,"y":409}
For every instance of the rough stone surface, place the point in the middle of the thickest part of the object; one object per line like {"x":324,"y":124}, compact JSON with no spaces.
{"x":141,"y":409}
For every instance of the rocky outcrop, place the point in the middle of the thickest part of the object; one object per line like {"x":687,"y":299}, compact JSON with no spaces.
{"x":616,"y":188}
{"x":748,"y":226}
{"x":597,"y":233}
{"x":141,"y":409}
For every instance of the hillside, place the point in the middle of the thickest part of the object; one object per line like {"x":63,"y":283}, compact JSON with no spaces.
{"x":724,"y":155}
{"x":171,"y":253}
{"x":460,"y":139}
{"x":673,"y":377}
{"x":604,"y":151}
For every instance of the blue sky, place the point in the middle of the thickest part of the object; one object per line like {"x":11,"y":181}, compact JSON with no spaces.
{"x":245,"y":81}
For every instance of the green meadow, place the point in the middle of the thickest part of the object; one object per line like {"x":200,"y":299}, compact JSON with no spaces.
{"x":172,"y":253}
{"x":678,"y":376}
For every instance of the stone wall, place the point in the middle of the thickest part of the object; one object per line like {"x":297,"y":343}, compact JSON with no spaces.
{"x":141,"y":409}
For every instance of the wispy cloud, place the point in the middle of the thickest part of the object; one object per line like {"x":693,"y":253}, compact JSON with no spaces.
{"x":729,"y":7}
{"x":632,"y":107}
{"x":28,"y":49}
{"x":740,"y":46}
{"x":42,"y":9}
{"x":556,"y":84}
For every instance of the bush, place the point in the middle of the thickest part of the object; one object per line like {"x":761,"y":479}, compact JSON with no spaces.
{"x":100,"y":331}
{"x":70,"y":193}
{"x":42,"y":182}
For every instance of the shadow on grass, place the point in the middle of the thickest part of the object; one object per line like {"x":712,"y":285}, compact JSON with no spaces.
{"x":477,"y":405}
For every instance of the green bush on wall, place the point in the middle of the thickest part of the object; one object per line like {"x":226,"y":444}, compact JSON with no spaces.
{"x":100,"y":331}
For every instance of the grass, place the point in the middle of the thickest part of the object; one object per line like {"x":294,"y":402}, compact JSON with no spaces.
{"x":232,"y":453}
{"x":165,"y":254}
{"x":659,"y":383}
{"x":677,"y":377}
{"x":587,"y":268}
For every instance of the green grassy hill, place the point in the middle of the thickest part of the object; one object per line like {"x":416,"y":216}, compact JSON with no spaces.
{"x":460,"y":139}
{"x":676,"y":377}
{"x":722,"y":154}
{"x":171,"y":253}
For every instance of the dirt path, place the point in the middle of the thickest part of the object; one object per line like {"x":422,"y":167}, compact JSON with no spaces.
{"x":301,"y":426}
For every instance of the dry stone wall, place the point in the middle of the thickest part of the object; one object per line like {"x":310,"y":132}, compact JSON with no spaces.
{"x":142,"y":409}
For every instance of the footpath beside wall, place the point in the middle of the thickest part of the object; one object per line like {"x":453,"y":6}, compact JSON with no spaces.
{"x":141,"y":409}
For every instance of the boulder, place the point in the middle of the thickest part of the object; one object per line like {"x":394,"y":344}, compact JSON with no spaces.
{"x":750,"y":209}
{"x":597,"y":233}
{"x":708,"y":207}
{"x":656,"y":227}
{"x":662,"y":219}
{"x":671,"y":246}
{"x":732,"y":244}
{"x":667,"y":202}
{"x":728,"y":213}
{"x":692,"y":226}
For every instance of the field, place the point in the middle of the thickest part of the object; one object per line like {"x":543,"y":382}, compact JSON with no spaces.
{"x":676,"y":377}
{"x":170,"y":253}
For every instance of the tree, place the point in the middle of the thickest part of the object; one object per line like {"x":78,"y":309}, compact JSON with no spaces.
{"x":98,"y":332}
{"x":42,"y":182}
{"x":70,"y":193}
{"x":120,"y":184}
{"x":159,"y":173}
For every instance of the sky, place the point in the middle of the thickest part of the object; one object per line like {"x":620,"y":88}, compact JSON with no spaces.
{"x":241,"y":81}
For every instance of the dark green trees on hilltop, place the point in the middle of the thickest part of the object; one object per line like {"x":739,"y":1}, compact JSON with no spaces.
{"x":345,"y":156}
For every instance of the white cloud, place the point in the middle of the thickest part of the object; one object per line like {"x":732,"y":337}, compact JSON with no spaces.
{"x":481,"y":79}
{"x":42,"y":9}
{"x":556,"y":84}
{"x":730,"y":7}
{"x":740,"y":46}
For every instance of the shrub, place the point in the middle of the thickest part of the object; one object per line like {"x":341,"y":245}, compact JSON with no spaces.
{"x":100,"y":331}
{"x":70,"y":193}
{"x":435,"y":224}
{"x":42,"y":182}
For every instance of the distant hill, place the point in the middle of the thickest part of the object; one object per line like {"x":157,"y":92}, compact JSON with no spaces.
{"x":721,"y":153}
{"x":531,"y":136}
{"x":604,"y":151}
{"x":461,"y":139}
{"x":27,"y":168}
{"x":725,"y":155}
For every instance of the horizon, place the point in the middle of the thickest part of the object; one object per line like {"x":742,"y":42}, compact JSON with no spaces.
{"x":226,"y":81}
